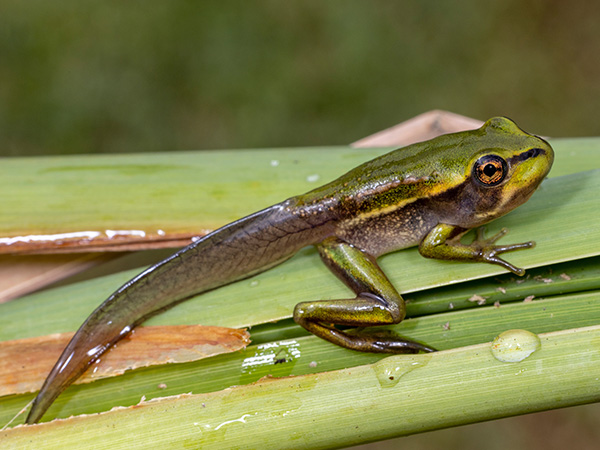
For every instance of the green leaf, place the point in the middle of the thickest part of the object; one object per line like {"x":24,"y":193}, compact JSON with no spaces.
{"x":560,"y":217}
{"x":200,"y":190}
{"x":443,"y":331}
{"x":395,"y":396}
{"x":557,"y":217}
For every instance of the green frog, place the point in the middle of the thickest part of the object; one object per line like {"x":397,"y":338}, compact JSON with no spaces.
{"x":428,"y":195}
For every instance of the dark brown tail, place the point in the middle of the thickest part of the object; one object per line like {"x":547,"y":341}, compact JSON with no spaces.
{"x":238,"y":250}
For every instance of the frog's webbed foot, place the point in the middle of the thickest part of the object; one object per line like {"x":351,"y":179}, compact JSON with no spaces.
{"x":376,"y":303}
{"x":489,"y":251}
{"x":389,"y":340}
{"x":319,"y":318}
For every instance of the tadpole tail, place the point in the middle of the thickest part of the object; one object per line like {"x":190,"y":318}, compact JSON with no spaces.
{"x":233,"y":252}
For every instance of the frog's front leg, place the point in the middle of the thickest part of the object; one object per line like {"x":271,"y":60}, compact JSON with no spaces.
{"x":376,"y":303}
{"x":443,"y":242}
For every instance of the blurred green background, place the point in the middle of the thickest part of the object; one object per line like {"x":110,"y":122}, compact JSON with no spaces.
{"x":113,"y":76}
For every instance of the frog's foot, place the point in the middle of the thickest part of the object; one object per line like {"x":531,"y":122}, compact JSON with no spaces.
{"x":387,"y":341}
{"x":306,"y":315}
{"x":488,"y":251}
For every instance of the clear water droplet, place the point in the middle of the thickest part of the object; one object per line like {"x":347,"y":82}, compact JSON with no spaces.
{"x":254,"y":283}
{"x":515,"y":345}
{"x":391,"y":369}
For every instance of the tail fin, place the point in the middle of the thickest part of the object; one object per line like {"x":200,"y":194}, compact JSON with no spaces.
{"x":238,"y":250}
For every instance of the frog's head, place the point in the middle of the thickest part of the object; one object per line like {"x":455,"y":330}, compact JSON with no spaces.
{"x":505,"y":166}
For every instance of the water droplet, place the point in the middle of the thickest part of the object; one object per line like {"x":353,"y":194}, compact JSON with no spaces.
{"x":391,"y":369}
{"x":515,"y":345}
{"x":313,"y":178}
{"x":274,"y":163}
{"x":254,"y":283}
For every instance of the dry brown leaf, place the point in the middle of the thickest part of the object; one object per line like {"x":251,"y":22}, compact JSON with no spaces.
{"x":25,"y":363}
{"x":420,"y":128}
{"x":22,"y":274}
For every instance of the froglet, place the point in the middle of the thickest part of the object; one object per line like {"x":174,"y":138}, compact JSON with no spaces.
{"x":428,"y":194}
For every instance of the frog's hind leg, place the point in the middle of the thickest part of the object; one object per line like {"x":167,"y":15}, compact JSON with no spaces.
{"x":376,"y":303}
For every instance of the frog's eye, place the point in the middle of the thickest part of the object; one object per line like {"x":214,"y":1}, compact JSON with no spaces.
{"x":490,"y":170}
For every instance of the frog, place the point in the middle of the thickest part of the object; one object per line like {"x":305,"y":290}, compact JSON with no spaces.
{"x":428,"y":194}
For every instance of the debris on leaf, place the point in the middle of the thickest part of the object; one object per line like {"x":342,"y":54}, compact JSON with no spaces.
{"x":477,"y":298}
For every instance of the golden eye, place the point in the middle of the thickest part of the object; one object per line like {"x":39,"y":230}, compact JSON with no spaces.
{"x":490,"y":170}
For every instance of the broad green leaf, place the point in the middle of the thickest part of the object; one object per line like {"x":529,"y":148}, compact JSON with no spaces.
{"x":185,"y":191}
{"x":574,"y":155}
{"x":396,"y":396}
{"x":556,"y":217}
{"x":298,"y":351}
{"x":173,"y":192}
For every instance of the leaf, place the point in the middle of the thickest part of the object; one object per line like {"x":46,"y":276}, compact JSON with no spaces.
{"x":393,"y":397}
{"x":557,"y":217}
{"x":25,"y":363}
{"x":100,"y":202}
{"x":299,"y":354}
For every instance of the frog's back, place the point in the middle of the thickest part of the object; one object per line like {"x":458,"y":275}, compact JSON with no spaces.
{"x":392,"y":201}
{"x":400,"y":176}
